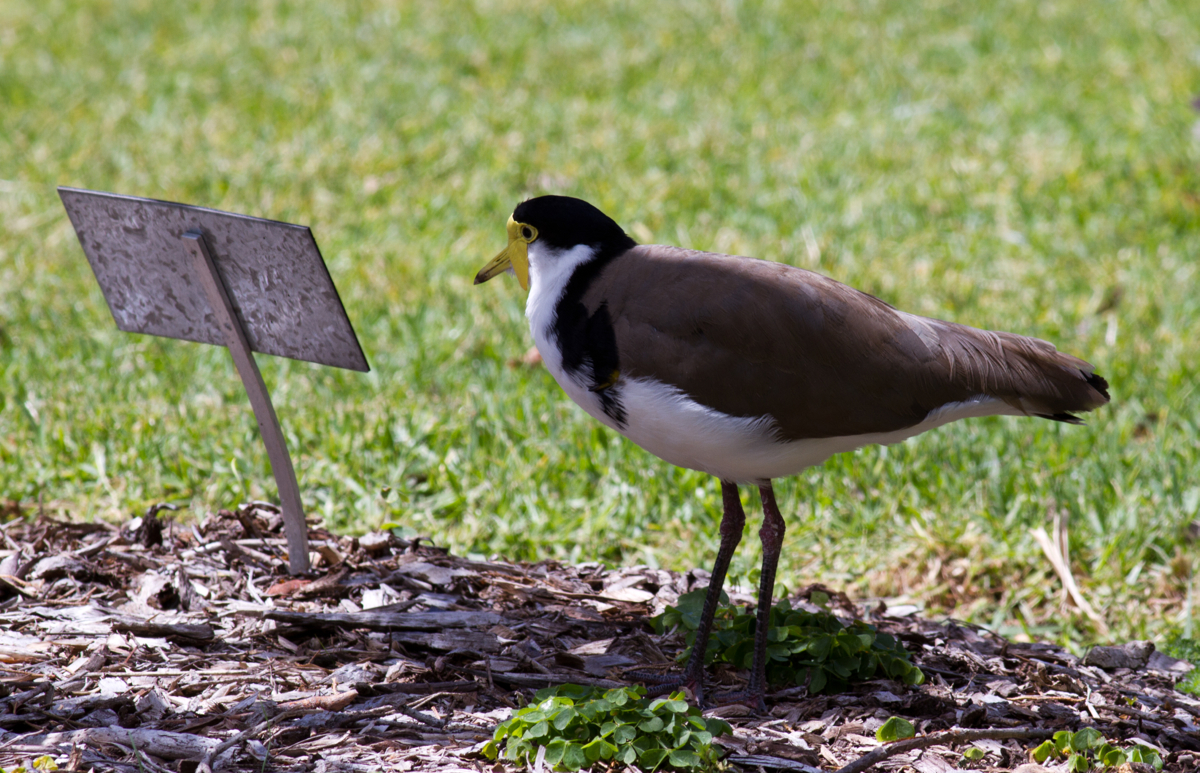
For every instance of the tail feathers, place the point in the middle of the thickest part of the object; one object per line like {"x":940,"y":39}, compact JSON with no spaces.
{"x":1029,"y":374}
{"x":1098,"y":383}
{"x":1065,"y":418}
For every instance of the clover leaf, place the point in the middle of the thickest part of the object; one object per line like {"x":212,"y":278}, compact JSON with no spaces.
{"x":580,"y":726}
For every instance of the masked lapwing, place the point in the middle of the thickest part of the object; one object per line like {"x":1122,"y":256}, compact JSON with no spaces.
{"x":751,"y":370}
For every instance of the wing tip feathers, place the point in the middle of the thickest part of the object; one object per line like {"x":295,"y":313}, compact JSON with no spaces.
{"x":1097,"y":382}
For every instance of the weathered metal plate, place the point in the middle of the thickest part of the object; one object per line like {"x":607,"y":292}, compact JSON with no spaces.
{"x":275,"y":275}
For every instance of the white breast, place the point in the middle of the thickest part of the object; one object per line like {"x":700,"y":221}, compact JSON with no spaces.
{"x":549,"y":273}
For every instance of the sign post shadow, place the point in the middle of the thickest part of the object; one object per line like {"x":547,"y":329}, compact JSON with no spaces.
{"x":248,"y":284}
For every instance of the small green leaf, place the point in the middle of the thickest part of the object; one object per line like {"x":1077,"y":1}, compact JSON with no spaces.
{"x":538,"y":730}
{"x":591,"y":751}
{"x":517,"y":750}
{"x":574,"y":757}
{"x":572,"y":692}
{"x":1077,"y":763}
{"x":651,"y":759}
{"x":1110,"y":755}
{"x":555,"y":751}
{"x":676,"y":706}
{"x":895,"y":729}
{"x":821,"y":647}
{"x":1085,"y":739}
{"x":1045,"y":751}
{"x":818,"y":681}
{"x":601,"y":705}
{"x":682,"y":758}
{"x":599,"y":749}
{"x":974,"y":754}
{"x":652,"y":725}
{"x":1140,"y":753}
{"x":530,"y":715}
{"x":564,"y":718}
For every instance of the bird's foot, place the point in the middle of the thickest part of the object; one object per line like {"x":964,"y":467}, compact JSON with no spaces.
{"x":662,"y":684}
{"x":752,"y":697}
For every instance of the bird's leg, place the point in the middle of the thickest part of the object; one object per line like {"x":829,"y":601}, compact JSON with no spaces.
{"x":732,"y":523}
{"x":771,"y":535}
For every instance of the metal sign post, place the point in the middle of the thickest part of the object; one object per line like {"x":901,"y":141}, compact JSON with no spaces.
{"x":203,"y":275}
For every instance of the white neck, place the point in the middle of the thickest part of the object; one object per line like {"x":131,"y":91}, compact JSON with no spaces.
{"x":549,"y":272}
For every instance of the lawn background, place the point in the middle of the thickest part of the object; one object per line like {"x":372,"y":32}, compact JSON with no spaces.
{"x":1028,"y":166}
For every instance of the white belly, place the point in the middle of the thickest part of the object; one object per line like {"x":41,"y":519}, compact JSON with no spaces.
{"x":663,"y":420}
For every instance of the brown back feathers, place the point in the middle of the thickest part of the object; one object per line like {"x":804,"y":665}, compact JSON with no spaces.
{"x":749,"y":337}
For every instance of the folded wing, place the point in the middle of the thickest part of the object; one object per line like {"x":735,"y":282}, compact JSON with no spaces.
{"x":823,"y":359}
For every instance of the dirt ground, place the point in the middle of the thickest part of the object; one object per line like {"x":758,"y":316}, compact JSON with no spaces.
{"x":170,"y":646}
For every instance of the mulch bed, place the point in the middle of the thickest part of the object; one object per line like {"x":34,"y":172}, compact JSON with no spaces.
{"x":170,"y":646}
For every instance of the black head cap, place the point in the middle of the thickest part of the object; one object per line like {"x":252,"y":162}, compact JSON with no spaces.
{"x":563,"y":222}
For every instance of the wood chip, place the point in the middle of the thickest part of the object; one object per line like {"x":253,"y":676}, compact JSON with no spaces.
{"x":175,"y":652}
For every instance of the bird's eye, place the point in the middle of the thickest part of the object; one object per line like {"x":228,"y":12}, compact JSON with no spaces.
{"x":526,"y":233}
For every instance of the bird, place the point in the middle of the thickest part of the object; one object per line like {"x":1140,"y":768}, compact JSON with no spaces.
{"x":752,"y":370}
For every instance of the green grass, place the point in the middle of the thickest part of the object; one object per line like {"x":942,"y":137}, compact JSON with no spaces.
{"x":1189,"y":650}
{"x":1029,"y":166}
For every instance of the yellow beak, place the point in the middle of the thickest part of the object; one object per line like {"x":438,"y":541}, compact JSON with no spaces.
{"x":514,"y":256}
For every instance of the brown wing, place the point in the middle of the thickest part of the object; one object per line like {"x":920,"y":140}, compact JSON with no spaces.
{"x":750,"y":337}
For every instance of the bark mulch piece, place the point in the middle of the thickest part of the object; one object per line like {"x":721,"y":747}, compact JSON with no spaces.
{"x":170,"y":647}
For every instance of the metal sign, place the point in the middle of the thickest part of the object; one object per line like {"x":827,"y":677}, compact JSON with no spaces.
{"x":276,"y":278}
{"x":214,"y":277}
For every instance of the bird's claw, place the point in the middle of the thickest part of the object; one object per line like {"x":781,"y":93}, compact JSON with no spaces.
{"x":662,"y":684}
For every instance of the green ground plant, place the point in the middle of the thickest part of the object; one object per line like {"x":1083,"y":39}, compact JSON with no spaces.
{"x":1087,"y":749}
{"x":580,"y":726}
{"x":42,"y":764}
{"x":895,"y":729}
{"x":812,"y":648}
{"x":1030,"y":165}
{"x":973,"y":754}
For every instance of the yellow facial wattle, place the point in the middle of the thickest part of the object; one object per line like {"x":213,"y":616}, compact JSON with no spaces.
{"x":514,"y":256}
